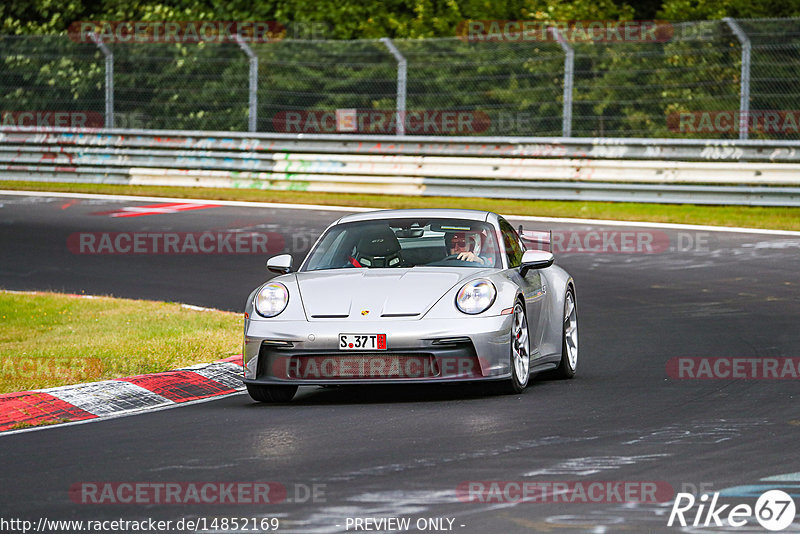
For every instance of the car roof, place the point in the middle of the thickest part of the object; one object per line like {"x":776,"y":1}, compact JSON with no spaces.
{"x":472,"y":215}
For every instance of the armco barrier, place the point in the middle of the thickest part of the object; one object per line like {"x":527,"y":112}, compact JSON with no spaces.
{"x":674,"y":171}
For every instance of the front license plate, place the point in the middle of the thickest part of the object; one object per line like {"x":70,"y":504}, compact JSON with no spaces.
{"x":362,"y":341}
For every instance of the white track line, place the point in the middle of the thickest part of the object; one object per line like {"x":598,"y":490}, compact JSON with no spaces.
{"x":643,"y":224}
{"x":318,"y":207}
{"x":238,"y":203}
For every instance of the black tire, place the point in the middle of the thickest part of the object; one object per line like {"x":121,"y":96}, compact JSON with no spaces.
{"x":566,"y":368}
{"x":271,"y":394}
{"x":519,"y":377}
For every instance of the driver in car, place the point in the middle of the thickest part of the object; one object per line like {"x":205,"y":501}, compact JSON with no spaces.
{"x":466,"y":246}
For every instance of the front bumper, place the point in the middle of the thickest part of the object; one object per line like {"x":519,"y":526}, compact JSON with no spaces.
{"x":417,"y":351}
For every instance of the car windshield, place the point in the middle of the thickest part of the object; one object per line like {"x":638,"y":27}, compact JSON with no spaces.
{"x":398,"y":243}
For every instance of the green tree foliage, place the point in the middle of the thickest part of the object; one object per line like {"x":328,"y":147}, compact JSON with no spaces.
{"x":716,"y":9}
{"x":364,"y":19}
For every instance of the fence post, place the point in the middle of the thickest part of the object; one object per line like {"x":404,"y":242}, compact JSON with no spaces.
{"x":744,"y":87}
{"x":253,"y":96}
{"x":402,"y":66}
{"x":569,"y":69}
{"x":109,"y":56}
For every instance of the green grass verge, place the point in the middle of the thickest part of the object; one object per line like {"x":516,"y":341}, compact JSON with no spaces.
{"x":20,"y":426}
{"x":743,"y":216}
{"x":51,"y":339}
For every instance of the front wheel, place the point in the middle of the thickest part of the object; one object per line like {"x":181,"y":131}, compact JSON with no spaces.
{"x":569,"y":338}
{"x":520,"y":351}
{"x":271,"y":393}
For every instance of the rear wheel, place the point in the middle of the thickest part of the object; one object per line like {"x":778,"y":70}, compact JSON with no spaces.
{"x":520,"y":351}
{"x":271,"y":393}
{"x":569,"y":338}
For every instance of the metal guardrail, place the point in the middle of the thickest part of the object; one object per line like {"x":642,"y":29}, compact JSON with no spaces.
{"x":485,"y":168}
{"x":570,"y":147}
{"x":643,"y":170}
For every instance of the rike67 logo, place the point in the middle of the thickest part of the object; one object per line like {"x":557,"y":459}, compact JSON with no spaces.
{"x":774,"y":511}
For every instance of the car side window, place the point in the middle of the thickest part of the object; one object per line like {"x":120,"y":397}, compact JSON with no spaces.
{"x":513,"y":246}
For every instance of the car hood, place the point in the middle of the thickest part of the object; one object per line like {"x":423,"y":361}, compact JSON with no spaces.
{"x":376,"y":293}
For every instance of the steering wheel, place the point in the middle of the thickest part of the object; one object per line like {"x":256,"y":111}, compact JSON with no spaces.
{"x":454,"y":257}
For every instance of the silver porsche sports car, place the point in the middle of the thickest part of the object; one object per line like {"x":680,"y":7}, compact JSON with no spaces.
{"x":411,"y":296}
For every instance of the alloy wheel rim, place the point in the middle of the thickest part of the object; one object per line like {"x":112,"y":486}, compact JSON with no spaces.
{"x":571,"y":330}
{"x":519,"y":345}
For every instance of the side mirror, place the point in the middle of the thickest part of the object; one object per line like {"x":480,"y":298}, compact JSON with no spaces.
{"x":536,"y":259}
{"x":280,"y":264}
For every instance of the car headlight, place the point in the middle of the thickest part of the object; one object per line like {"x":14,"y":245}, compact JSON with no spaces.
{"x":476,"y":296}
{"x":271,"y":299}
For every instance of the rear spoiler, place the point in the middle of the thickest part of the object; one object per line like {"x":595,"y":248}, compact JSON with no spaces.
{"x":535,"y":240}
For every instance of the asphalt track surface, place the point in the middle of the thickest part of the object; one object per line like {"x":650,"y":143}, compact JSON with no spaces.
{"x":403,"y":452}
